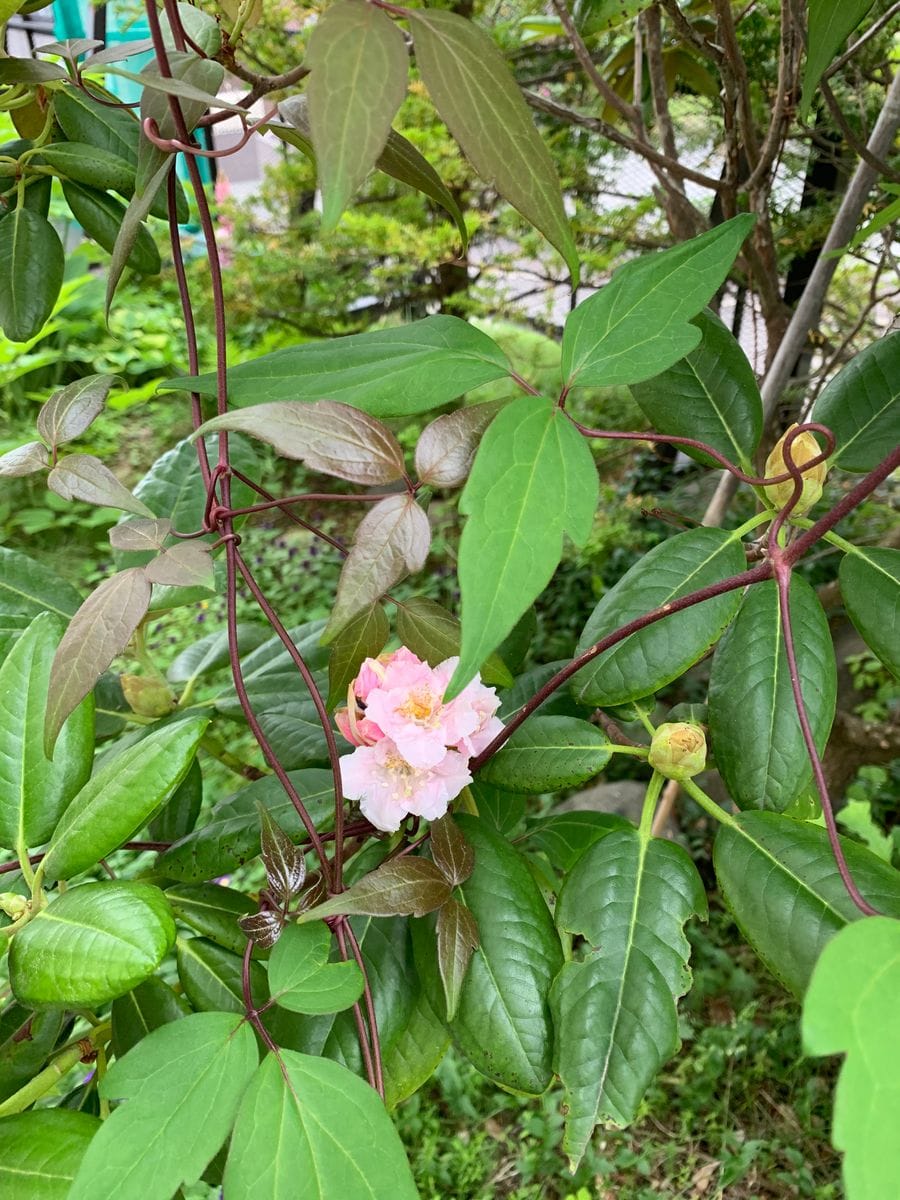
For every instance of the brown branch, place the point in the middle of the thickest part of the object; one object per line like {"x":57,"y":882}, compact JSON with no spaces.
{"x":856,"y":145}
{"x":782,"y":109}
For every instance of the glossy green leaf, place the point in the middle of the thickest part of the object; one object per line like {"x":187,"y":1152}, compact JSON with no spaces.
{"x":34,"y":791}
{"x":85,"y":477}
{"x":99,"y":631}
{"x":779,"y":878}
{"x":303,"y":980}
{"x":433,"y":633}
{"x":711,"y":394}
{"x":73,"y":409}
{"x":870,"y":589}
{"x":469,"y":81}
{"x":28,"y":587}
{"x":211,"y":976}
{"x":27,"y":1039}
{"x":231,"y":836}
{"x":614,"y":1009}
{"x":828,"y":27}
{"x":754,"y":728}
{"x":211,"y":652}
{"x":84,"y":119}
{"x":181,"y":1089}
{"x":564,"y":837}
{"x":358,"y":67}
{"x":29,"y":70}
{"x":178,"y":816}
{"x":457,"y":941}
{"x":851,"y":1009}
{"x":90,"y":165}
{"x":639,"y":324}
{"x":213,"y":910}
{"x":101,"y":215}
{"x":364,"y":637}
{"x":532,"y":479}
{"x":547,"y":754}
{"x":391,"y":541}
{"x":500,"y":811}
{"x":93,"y":943}
{"x":31,"y":273}
{"x":286,"y":713}
{"x":414,"y":1054}
{"x":385,"y":372}
{"x":647,"y":660}
{"x":121,"y":796}
{"x":130,"y":232}
{"x":285,"y":1135}
{"x":401,"y":887}
{"x":526,"y":686}
{"x":148,"y":1006}
{"x":41,"y":1151}
{"x":861,"y":406}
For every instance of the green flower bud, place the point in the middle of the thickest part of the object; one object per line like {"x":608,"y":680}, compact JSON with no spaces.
{"x":146,"y":696}
{"x":14,"y":905}
{"x":678,"y":750}
{"x":803,"y":449}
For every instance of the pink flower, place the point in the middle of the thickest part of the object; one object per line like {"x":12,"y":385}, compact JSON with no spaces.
{"x":374,"y":670}
{"x":389,"y":788}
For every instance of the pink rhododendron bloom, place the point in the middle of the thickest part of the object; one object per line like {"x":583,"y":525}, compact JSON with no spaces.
{"x":389,"y":788}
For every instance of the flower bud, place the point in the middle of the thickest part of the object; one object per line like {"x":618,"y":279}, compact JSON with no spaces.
{"x":13,"y":905}
{"x":804,"y":447}
{"x":146,"y":696}
{"x":678,"y":750}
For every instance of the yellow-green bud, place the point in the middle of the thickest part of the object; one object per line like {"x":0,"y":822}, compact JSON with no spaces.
{"x":804,"y":447}
{"x":13,"y":905}
{"x":146,"y":696}
{"x":678,"y":750}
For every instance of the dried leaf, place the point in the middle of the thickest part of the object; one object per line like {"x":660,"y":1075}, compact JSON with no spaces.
{"x":401,"y":888}
{"x":330,"y":437}
{"x":140,"y":535}
{"x":447,"y":446}
{"x":189,"y":564}
{"x":24,"y":460}
{"x":69,"y":412}
{"x":392,"y":541}
{"x":84,"y":477}
{"x":100,"y":630}
{"x":452,"y":853}
{"x":457,"y":940}
{"x":284,"y":863}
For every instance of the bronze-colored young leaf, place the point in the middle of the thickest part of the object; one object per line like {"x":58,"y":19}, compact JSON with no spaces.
{"x":24,"y":460}
{"x":391,"y":542}
{"x":262,"y":928}
{"x":358,"y":68}
{"x":70,"y":411}
{"x":284,"y":863}
{"x":84,"y":477}
{"x":446,"y":448}
{"x":457,"y":940}
{"x":452,"y":853}
{"x":400,"y":888}
{"x":329,"y":437}
{"x":188,"y":564}
{"x":140,"y":535}
{"x":100,"y":630}
{"x":364,"y":637}
{"x":474,"y":92}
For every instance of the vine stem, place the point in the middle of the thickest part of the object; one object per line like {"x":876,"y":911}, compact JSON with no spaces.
{"x":250,"y":1005}
{"x":340,"y":932}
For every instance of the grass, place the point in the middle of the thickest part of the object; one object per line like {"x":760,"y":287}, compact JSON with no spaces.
{"x":738,"y":1114}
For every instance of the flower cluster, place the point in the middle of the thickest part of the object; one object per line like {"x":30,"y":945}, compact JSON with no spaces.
{"x":412,"y":749}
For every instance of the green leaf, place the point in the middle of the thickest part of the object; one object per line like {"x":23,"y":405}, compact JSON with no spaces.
{"x":500,"y":811}
{"x":779,"y":878}
{"x":93,"y":943}
{"x":364,"y":637}
{"x":27,"y":1039}
{"x":149,"y":1006}
{"x":457,"y":941}
{"x":181,"y":1088}
{"x":286,"y":1129}
{"x":29,"y":70}
{"x":404,"y":886}
{"x":286,"y":713}
{"x":503,"y":1024}
{"x":178,"y":816}
{"x":84,"y":119}
{"x":121,"y":797}
{"x":452,"y":854}
{"x":41,"y":1150}
{"x":84,"y":477}
{"x":638,"y":325}
{"x":129,"y":233}
{"x":861,"y":406}
{"x":28,"y":587}
{"x":870,"y":589}
{"x":101,"y":215}
{"x":413,"y":1055}
{"x":433,"y":633}
{"x":647,"y":660}
{"x":210,"y":653}
{"x":73,"y":409}
{"x":470,"y":83}
{"x":303,"y":980}
{"x":90,"y":165}
{"x":358,"y":68}
{"x":533,"y":478}
{"x":231,"y":837}
{"x":391,"y":541}
{"x":754,"y":728}
{"x":828,"y":27}
{"x":614,"y":1010}
{"x":386,"y":372}
{"x":711,"y":395}
{"x":34,"y":791}
{"x":31,"y":273}
{"x":547,"y":754}
{"x":211,"y":976}
{"x":851,"y":1009}
{"x":213,"y":910}
{"x":99,"y":631}
{"x":564,"y":837}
